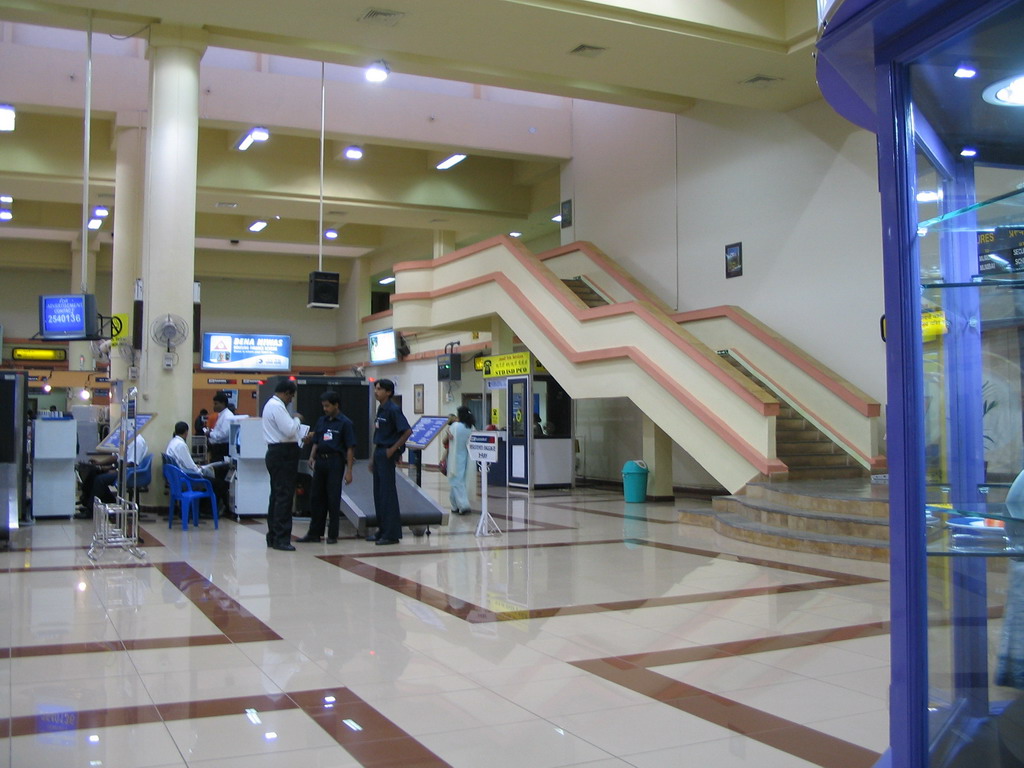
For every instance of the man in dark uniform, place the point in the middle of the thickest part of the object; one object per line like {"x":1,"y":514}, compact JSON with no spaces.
{"x":333,"y":454}
{"x":391,"y":430}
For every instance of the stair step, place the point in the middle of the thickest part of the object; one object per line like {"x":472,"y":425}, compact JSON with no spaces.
{"x":825,"y":473}
{"x":808,"y":448}
{"x":855,"y":548}
{"x":826,"y":523}
{"x":856,"y":497}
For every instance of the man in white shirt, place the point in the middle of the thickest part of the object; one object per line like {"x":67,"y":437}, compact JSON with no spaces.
{"x":178,"y":450}
{"x":220,"y":434}
{"x":281,"y":432}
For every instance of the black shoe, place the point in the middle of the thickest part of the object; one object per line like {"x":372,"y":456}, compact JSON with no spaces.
{"x":385,"y":542}
{"x":307,"y":539}
{"x":332,"y":540}
{"x":284,"y":547}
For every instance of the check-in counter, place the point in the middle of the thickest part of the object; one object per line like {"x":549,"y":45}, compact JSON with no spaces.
{"x":53,"y":467}
{"x":553,"y":462}
{"x":251,"y":484}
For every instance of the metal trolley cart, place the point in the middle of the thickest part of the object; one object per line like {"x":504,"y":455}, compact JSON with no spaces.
{"x":117,"y":523}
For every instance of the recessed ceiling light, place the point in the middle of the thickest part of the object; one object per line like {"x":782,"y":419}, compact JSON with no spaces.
{"x":100,"y":211}
{"x":331,"y":234}
{"x":929,"y":196}
{"x":557,"y":217}
{"x":6,"y":199}
{"x":258,"y":226}
{"x":225,"y":204}
{"x":5,"y":214}
{"x":515,"y":234}
{"x":95,"y":223}
{"x":386,"y":281}
{"x":1006,"y":93}
{"x":353,"y":152}
{"x":7,"y":117}
{"x":377,"y":72}
{"x":965,"y":71}
{"x":968,"y":152}
{"x":447,"y":163}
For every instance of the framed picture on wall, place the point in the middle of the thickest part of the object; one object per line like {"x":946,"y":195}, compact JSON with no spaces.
{"x":734,"y":260}
{"x":417,"y":398}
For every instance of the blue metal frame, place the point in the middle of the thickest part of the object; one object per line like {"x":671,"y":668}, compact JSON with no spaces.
{"x":863,"y":73}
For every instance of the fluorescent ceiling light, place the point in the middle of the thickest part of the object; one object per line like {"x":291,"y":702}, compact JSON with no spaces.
{"x":444,"y":165}
{"x":95,"y":223}
{"x":258,"y":226}
{"x":966,"y":71}
{"x":7,"y":115}
{"x":386,"y":281}
{"x":515,"y":234}
{"x":256,"y":134}
{"x":377,"y":72}
{"x":100,"y":212}
{"x":5,"y":214}
{"x":558,"y":217}
{"x":968,"y":152}
{"x":354,"y":152}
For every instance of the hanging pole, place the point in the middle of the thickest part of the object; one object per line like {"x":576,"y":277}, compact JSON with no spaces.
{"x":87,"y":140}
{"x":320,"y":219}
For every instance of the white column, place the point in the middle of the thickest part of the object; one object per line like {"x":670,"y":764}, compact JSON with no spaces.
{"x":129,"y":181}
{"x":169,"y":210}
{"x":658,"y":457}
{"x":444,"y":242}
{"x":80,"y":352}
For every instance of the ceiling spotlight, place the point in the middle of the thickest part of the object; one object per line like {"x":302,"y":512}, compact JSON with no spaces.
{"x":258,"y":226}
{"x":7,"y":115}
{"x":515,"y":234}
{"x":444,"y":165}
{"x":100,"y":212}
{"x":966,"y":71}
{"x":95,"y":223}
{"x":331,"y":234}
{"x":256,"y":134}
{"x":377,"y":72}
{"x":968,"y":152}
{"x":84,"y":394}
{"x":5,"y":214}
{"x":386,"y":281}
{"x":47,"y":387}
{"x":354,"y":152}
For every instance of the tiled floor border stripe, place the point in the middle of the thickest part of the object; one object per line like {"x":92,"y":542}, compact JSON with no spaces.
{"x":476,"y":614}
{"x":374,"y":741}
{"x":633,"y":672}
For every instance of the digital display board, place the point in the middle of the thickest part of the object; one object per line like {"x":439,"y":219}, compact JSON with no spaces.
{"x":382,"y":347}
{"x":68,"y":316}
{"x":246,"y":352}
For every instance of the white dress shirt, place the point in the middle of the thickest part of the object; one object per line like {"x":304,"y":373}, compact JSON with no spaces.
{"x":178,"y":450}
{"x":221,"y":431}
{"x":279,"y":426}
{"x":136,"y":450}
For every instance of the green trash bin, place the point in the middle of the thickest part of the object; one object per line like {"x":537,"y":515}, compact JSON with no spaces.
{"x":634,"y":481}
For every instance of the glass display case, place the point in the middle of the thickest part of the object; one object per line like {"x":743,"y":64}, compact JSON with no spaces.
{"x":942,"y":85}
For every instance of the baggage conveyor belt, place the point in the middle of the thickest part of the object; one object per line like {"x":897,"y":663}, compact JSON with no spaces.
{"x":417,"y":508}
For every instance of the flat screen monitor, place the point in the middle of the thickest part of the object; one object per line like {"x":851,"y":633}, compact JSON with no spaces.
{"x":68,"y":316}
{"x":246,"y":352}
{"x":383,"y":348}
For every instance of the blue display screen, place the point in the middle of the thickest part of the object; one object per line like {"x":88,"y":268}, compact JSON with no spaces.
{"x":67,"y":316}
{"x":246,"y":352}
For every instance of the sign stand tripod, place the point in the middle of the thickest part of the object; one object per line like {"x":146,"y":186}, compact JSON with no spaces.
{"x":483,"y":447}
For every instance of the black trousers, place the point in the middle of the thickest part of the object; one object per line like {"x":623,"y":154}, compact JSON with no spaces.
{"x":385,"y":495}
{"x":283,"y":465}
{"x":325,"y":494}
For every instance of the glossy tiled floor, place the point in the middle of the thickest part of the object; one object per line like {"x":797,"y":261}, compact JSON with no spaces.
{"x":591,"y":633}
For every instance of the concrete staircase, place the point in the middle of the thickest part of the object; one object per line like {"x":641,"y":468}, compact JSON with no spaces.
{"x":838,"y":517}
{"x":586,"y":292}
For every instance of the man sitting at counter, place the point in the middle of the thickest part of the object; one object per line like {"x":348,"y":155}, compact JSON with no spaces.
{"x":99,"y":474}
{"x":181,"y":455}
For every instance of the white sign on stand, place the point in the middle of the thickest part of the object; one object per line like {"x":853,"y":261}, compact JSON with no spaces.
{"x":483,"y":447}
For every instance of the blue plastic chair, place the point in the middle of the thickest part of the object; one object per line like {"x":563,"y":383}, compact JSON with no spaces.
{"x":187,"y":490}
{"x":140,"y":476}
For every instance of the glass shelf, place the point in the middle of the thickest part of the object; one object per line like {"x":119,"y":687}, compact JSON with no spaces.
{"x":1006,"y":210}
{"x":964,"y":531}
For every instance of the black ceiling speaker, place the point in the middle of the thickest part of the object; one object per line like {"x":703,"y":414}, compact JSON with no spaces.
{"x":323,"y":290}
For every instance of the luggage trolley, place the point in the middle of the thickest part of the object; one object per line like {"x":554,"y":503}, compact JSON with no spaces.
{"x":117,"y":524}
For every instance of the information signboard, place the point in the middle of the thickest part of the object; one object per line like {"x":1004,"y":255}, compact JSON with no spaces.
{"x":483,"y":446}
{"x":425,"y":430}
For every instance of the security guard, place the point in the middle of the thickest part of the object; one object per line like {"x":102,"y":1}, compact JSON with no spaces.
{"x":334,"y":441}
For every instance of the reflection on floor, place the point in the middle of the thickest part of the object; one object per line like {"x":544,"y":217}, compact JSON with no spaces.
{"x":591,"y":633}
